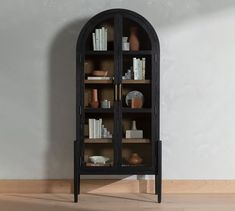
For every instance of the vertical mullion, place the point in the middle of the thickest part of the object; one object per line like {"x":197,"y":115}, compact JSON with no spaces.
{"x":115,"y":120}
{"x":120,"y":22}
{"x":118,"y":55}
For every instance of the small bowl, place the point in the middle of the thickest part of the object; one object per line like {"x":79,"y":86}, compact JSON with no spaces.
{"x":101,"y":73}
{"x":98,"y":159}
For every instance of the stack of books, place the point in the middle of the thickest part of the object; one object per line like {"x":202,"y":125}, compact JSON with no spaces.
{"x":98,"y":78}
{"x":139,"y":68}
{"x":99,"y":39}
{"x":97,"y":129}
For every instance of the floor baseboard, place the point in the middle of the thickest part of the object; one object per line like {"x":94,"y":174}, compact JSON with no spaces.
{"x":117,"y":186}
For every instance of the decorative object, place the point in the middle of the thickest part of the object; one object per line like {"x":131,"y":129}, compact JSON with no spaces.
{"x":100,"y":73}
{"x":134,"y":94}
{"x":94,"y":101}
{"x":134,"y":133}
{"x":105,"y":104}
{"x":98,"y":159}
{"x":139,"y":68}
{"x":97,"y":129}
{"x":136,"y":102}
{"x":125,"y":44}
{"x":99,"y":39}
{"x":135,"y":159}
{"x":128,"y":75}
{"x":134,"y":41}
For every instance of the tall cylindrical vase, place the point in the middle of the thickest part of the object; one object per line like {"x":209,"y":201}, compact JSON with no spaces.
{"x":134,"y":41}
{"x":94,"y":100}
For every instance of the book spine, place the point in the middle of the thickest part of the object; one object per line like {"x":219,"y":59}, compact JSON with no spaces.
{"x":98,"y":78}
{"x":105,"y":39}
{"x":90,"y":125}
{"x":140,"y":69}
{"x":135,"y":68}
{"x":93,"y":41}
{"x":143,"y":66}
{"x":100,"y":39}
{"x":100,"y":123}
{"x":94,"y":128}
{"x":97,"y":39}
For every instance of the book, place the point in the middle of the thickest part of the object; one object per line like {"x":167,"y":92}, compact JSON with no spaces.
{"x":135,"y":68}
{"x":91,"y":129}
{"x":98,"y":78}
{"x":100,"y":39}
{"x":105,"y":39}
{"x":140,"y":70}
{"x":93,"y":41}
{"x":100,"y":125}
{"x":143,"y":66}
{"x":97,"y":39}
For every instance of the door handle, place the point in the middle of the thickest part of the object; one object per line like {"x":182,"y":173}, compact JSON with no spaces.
{"x":115,"y":92}
{"x":120,"y":92}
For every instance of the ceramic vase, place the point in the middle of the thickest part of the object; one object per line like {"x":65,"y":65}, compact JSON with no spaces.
{"x":94,"y":100}
{"x":135,"y":159}
{"x":134,"y":41}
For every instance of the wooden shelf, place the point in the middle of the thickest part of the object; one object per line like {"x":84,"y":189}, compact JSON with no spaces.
{"x":91,"y":53}
{"x":136,"y":53}
{"x":124,"y":141}
{"x":98,"y":110}
{"x":98,"y":165}
{"x":98,"y":81}
{"x":136,"y":81}
{"x":98,"y":141}
{"x":135,"y":141}
{"x":136,"y":110}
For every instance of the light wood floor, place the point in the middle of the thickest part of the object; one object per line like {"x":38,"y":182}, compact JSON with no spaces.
{"x":128,"y":202}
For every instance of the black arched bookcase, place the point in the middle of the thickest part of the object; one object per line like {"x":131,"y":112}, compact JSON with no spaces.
{"x":114,"y":89}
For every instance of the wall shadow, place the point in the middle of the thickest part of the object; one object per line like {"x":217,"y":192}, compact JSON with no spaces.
{"x":62,"y":109}
{"x":62,"y":102}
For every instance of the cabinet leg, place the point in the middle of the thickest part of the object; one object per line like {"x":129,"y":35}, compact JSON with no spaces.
{"x":156,"y":187}
{"x":159,"y":176}
{"x":76,"y":185}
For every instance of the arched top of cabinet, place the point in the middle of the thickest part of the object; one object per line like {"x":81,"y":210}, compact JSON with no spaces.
{"x":125,"y":19}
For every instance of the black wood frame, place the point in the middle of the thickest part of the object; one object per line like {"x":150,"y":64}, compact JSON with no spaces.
{"x":81,"y":52}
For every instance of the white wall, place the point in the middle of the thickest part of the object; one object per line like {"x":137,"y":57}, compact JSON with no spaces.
{"x":37,"y":84}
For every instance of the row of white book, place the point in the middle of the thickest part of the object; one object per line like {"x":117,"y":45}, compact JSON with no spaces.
{"x":139,"y":68}
{"x":97,"y":129}
{"x":99,"y":39}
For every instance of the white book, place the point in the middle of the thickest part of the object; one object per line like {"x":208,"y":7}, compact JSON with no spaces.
{"x":95,"y":135}
{"x":100,"y":39}
{"x":140,"y":69}
{"x":93,"y":41}
{"x":98,"y":78}
{"x":97,"y":39}
{"x":90,"y":125}
{"x":97,"y":128}
{"x":143,"y":66}
{"x":100,"y":125}
{"x":135,"y":68}
{"x":105,"y":39}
